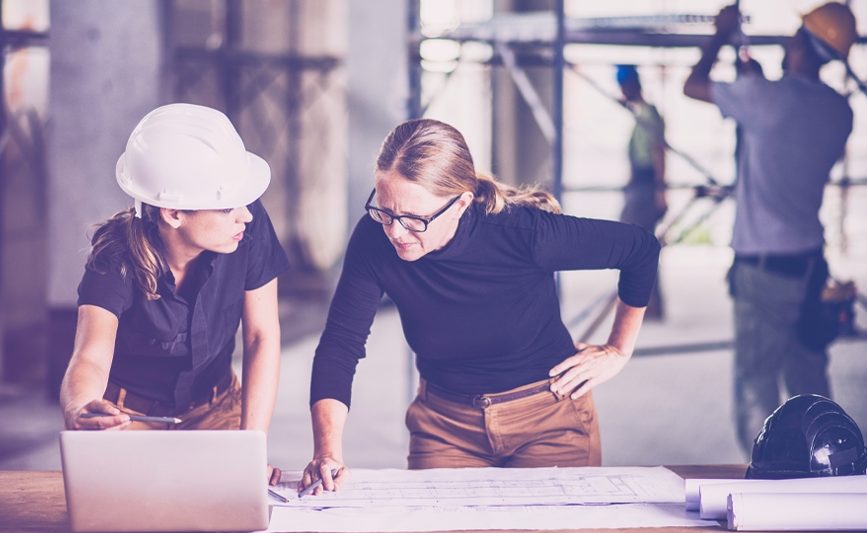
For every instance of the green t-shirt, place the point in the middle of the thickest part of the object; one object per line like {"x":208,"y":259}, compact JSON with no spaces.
{"x":647,"y":135}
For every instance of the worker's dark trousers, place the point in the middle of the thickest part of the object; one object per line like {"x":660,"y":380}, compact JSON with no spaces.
{"x":767,"y":306}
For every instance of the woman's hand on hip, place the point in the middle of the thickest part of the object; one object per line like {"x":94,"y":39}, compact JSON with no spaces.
{"x":97,"y":414}
{"x":332,"y":473}
{"x":591,"y":365}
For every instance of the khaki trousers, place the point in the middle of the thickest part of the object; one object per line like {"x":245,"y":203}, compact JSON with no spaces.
{"x":222,"y":412}
{"x":768,"y":350}
{"x":535,"y":431}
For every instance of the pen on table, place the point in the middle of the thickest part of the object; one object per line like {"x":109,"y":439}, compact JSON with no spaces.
{"x":278,"y":496}
{"x":140,"y":418}
{"x":318,"y":483}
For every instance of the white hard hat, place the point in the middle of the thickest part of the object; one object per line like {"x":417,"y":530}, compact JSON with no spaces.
{"x":185,"y":156}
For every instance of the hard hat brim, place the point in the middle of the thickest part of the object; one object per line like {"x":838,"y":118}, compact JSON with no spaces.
{"x":256,"y":182}
{"x":260,"y":178}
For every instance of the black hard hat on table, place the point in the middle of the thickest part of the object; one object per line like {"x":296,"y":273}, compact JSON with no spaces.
{"x":808,"y":436}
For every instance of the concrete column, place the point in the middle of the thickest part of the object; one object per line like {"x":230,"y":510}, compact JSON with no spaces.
{"x":377,"y":88}
{"x":298,"y":123}
{"x":105,"y":75}
{"x":320,"y":209}
{"x":521,"y":153}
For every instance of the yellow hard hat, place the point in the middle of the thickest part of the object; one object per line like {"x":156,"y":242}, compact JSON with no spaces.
{"x":833,"y":24}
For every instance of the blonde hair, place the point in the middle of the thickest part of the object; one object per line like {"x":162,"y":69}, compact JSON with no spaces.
{"x":436,"y":156}
{"x":132,"y":242}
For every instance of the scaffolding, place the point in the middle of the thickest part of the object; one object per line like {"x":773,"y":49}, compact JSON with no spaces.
{"x":538,"y":39}
{"x":521,"y":40}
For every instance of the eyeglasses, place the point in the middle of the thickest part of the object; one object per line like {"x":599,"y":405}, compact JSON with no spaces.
{"x":413,"y":223}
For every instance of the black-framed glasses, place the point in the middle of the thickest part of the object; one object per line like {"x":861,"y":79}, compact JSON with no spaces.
{"x":413,"y":223}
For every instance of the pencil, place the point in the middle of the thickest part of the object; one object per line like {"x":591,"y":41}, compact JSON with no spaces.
{"x":140,"y":418}
{"x":278,"y":496}
{"x":310,"y":488}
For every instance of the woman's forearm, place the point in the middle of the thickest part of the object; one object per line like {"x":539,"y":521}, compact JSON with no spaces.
{"x":83,"y":382}
{"x":627,"y":323}
{"x":261,"y":374}
{"x":260,"y":380}
{"x":329,"y":418}
{"x":92,"y":354}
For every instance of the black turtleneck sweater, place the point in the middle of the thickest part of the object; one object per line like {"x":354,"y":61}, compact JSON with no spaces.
{"x":481,"y":313}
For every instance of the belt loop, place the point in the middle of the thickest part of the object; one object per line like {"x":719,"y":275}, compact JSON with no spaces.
{"x":213,"y":395}
{"x":121,"y":397}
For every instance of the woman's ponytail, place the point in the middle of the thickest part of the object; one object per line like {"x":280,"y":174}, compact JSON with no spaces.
{"x":496,"y":196}
{"x":133,"y":243}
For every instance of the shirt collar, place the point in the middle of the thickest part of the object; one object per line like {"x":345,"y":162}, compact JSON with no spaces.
{"x":461,"y":238}
{"x":204,"y":261}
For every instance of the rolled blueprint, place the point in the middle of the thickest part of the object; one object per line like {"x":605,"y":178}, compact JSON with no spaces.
{"x":691,"y":488}
{"x":802,"y":511}
{"x":712,"y":503}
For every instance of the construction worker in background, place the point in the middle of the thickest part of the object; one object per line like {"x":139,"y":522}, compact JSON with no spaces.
{"x":644,"y":201}
{"x":794,"y":131}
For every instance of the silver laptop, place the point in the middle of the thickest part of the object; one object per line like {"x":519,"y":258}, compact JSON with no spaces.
{"x":165,"y":480}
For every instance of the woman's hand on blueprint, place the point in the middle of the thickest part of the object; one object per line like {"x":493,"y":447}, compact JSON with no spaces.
{"x":323,"y":473}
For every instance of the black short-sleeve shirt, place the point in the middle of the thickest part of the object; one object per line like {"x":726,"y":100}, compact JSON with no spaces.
{"x":176,"y":347}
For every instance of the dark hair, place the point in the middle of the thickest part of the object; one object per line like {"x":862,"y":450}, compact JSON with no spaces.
{"x":436,"y":156}
{"x":132,"y":242}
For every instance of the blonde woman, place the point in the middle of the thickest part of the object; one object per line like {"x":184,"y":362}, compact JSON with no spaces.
{"x":470,"y":263}
{"x":168,"y":282}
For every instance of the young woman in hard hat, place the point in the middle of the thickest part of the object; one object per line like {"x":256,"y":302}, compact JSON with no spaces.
{"x":470,"y":264}
{"x":168,"y":282}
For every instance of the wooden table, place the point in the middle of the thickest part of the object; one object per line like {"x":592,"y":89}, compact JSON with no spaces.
{"x":35,"y":502}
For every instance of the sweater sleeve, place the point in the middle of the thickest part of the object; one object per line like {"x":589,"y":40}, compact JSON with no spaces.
{"x":564,"y":242}
{"x":350,"y":316}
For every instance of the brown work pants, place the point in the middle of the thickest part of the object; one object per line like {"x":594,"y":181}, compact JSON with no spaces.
{"x":538,"y":430}
{"x":223,"y":411}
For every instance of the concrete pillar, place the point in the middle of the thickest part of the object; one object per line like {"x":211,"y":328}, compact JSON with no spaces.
{"x":296,"y":119}
{"x":377,"y":88}
{"x":521,"y":153}
{"x":105,"y":75}
{"x":319,"y":211}
{"x":23,"y":272}
{"x":378,"y":92}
